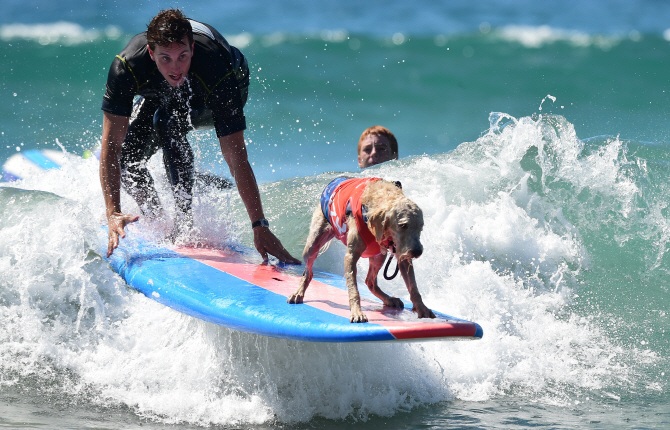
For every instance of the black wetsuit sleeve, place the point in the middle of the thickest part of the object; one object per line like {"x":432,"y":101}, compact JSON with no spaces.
{"x":227,"y":107}
{"x":121,"y":89}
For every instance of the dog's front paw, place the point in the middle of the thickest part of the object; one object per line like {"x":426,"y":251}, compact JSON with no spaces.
{"x":423,"y":312}
{"x":358,"y":317}
{"x":295,"y":298}
{"x":394,"y":302}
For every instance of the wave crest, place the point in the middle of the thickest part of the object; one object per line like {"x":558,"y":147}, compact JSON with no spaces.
{"x":62,"y":32}
{"x":536,"y":37}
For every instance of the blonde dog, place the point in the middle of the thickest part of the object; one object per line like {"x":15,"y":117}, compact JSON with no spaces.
{"x":369,"y":216}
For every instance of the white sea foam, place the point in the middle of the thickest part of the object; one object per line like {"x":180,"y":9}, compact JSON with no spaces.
{"x":241,"y":40}
{"x":510,"y":260}
{"x":498,"y":251}
{"x":538,"y":36}
{"x":59,"y":32}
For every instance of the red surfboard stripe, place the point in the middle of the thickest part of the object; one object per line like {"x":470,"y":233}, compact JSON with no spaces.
{"x":326,"y":297}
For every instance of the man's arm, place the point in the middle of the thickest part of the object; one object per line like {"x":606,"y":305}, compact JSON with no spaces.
{"x":114,"y":129}
{"x":235,"y":153}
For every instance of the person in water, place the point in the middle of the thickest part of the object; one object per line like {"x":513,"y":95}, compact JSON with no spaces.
{"x":376,"y":145}
{"x":187,"y":76}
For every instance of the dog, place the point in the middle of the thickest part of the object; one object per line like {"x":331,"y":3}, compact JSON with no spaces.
{"x":370,"y":216}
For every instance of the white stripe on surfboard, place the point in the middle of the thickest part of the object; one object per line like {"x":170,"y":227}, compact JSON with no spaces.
{"x":21,"y":167}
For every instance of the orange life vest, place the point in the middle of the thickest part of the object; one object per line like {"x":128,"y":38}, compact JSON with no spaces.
{"x":342,"y":199}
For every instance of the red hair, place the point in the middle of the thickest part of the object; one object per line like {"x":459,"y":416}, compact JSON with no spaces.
{"x":383,"y":131}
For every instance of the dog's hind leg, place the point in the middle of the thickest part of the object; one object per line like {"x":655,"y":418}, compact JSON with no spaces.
{"x":320,"y":232}
{"x":376,"y":264}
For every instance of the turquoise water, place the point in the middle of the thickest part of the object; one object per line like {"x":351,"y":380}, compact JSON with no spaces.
{"x":534,"y":138}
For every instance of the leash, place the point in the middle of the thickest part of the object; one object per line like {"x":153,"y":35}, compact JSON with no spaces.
{"x":388,"y":263}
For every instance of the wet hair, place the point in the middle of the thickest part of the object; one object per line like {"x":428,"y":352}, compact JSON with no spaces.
{"x":383,"y":131}
{"x":168,"y":27}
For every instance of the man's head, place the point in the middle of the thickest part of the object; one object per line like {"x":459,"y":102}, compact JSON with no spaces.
{"x":170,"y":43}
{"x":376,"y":145}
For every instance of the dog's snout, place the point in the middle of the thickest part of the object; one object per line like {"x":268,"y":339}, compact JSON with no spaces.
{"x":417,"y":251}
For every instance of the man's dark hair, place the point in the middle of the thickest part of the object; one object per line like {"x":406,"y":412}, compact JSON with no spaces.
{"x":169,"y":26}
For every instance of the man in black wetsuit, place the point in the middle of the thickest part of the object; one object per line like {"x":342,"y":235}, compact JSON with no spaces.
{"x":187,"y":76}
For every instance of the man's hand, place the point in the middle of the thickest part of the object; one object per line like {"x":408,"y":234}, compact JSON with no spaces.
{"x":267,"y":243}
{"x":117,"y":222}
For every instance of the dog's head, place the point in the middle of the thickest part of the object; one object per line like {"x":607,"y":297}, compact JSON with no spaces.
{"x":391,"y":214}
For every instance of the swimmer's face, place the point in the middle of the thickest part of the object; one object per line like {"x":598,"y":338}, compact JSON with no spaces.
{"x":173,"y":61}
{"x":374,"y":149}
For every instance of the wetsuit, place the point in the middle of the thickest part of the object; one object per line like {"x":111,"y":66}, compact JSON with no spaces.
{"x":214,"y":93}
{"x":340,"y":200}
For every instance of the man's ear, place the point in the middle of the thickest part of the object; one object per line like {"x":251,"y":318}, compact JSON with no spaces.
{"x":377,"y":224}
{"x":151,"y":53}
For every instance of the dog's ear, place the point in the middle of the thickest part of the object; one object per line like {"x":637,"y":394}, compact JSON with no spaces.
{"x":377,"y":224}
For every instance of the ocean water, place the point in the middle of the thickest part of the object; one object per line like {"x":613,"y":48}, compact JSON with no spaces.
{"x":534,"y":136}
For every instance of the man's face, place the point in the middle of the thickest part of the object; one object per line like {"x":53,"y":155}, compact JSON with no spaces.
{"x":173,"y":61}
{"x":375,"y":149}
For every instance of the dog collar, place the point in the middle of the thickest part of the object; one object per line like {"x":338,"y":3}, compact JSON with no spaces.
{"x":364,"y":213}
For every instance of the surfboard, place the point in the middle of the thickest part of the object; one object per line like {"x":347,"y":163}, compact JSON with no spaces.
{"x":29,"y":163}
{"x":229,"y":287}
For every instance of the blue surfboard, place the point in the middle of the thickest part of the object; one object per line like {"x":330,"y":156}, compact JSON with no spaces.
{"x":227,"y":288}
{"x":31,"y":162}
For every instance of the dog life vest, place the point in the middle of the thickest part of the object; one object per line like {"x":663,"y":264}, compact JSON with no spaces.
{"x":342,"y":199}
